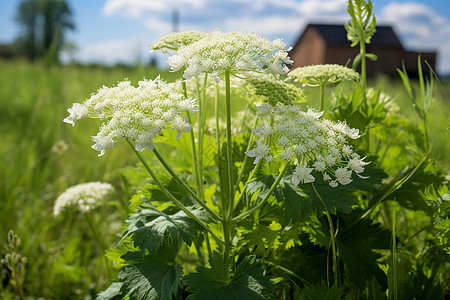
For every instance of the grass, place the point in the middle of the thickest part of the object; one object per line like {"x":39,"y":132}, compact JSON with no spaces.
{"x":42,"y":156}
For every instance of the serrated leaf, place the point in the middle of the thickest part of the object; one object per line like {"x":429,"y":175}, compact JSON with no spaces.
{"x":262,"y":238}
{"x":215,"y":282}
{"x":356,"y":244}
{"x":320,"y":291}
{"x":111,"y":293}
{"x":149,"y":226}
{"x":154,"y":276}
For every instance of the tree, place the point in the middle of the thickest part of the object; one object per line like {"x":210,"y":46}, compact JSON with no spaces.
{"x":43,"y":25}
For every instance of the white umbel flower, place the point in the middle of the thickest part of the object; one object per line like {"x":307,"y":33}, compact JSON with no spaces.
{"x":135,"y":113}
{"x":85,"y":197}
{"x":312,"y":143}
{"x":235,"y":52}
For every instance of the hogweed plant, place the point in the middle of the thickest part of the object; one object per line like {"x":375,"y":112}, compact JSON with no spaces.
{"x":252,"y":193}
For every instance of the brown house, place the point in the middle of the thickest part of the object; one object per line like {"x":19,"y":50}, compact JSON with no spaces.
{"x":328,"y":44}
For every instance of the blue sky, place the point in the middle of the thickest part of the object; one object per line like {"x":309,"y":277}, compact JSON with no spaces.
{"x":112,"y":31}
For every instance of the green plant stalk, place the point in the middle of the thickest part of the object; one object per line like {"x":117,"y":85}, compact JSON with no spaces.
{"x":246,"y":157}
{"x":219,"y":152}
{"x":262,"y":202}
{"x":252,"y":174}
{"x":172,"y":197}
{"x":287,"y":271}
{"x":332,"y":236}
{"x":322,"y":96}
{"x":394,"y":286}
{"x":161,"y":159}
{"x":230,"y":161}
{"x":201,"y":125}
{"x":194,"y":152}
{"x":228,"y":204}
{"x":99,"y":243}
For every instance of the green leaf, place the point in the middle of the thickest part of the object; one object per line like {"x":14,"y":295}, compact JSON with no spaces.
{"x":154,"y":276}
{"x":149,"y":226}
{"x":320,"y":291}
{"x":356,"y":244}
{"x":112,"y":292}
{"x":216,"y":282}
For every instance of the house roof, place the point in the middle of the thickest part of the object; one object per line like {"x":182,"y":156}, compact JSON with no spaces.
{"x":337,"y":35}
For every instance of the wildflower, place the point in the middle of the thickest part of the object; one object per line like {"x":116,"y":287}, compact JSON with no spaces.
{"x":235,"y":52}
{"x":318,"y":75}
{"x":312,"y":143}
{"x":302,"y":174}
{"x":135,"y":113}
{"x":260,"y":151}
{"x":175,"y":40}
{"x":275,"y":91}
{"x":84,"y":196}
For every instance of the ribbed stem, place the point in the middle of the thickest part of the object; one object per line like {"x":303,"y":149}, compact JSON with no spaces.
{"x":199,"y":201}
{"x":172,"y":197}
{"x":263,"y":201}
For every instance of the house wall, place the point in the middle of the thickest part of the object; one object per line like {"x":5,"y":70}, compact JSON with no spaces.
{"x":310,"y":49}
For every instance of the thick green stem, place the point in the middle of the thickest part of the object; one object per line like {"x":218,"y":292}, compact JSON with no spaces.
{"x":332,"y":236}
{"x":266,"y":197}
{"x":198,"y":183}
{"x":322,"y":97}
{"x":172,"y":197}
{"x":228,"y":203}
{"x":229,"y":146}
{"x":199,"y":201}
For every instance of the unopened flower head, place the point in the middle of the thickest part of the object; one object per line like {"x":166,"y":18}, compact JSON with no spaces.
{"x":311,"y":143}
{"x":175,"y":40}
{"x":275,"y":91}
{"x":136,"y":113}
{"x":235,"y":52}
{"x":318,"y":75}
{"x":85,"y":197}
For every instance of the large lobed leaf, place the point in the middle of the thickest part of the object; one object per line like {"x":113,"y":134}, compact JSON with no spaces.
{"x":248,"y":282}
{"x":154,"y":276}
{"x":149,"y":226}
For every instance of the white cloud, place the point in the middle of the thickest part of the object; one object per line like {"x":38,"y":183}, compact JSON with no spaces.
{"x":128,"y":51}
{"x":270,"y":18}
{"x":421,"y":28}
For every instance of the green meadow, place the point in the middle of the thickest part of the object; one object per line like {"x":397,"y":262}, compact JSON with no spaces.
{"x":41,"y":157}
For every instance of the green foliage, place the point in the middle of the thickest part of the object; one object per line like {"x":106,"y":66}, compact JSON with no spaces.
{"x":320,"y":291}
{"x":149,"y":227}
{"x":154,"y":276}
{"x":247,"y":282}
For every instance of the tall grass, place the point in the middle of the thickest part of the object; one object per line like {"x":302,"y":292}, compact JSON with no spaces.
{"x":41,"y":157}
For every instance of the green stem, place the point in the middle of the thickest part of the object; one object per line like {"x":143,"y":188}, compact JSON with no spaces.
{"x":246,"y":157}
{"x":287,"y":271}
{"x":199,"y":201}
{"x":219,"y":152}
{"x":332,"y":235}
{"x":172,"y":197}
{"x":198,"y":184}
{"x":267,"y":196}
{"x":99,"y":243}
{"x":252,"y":174}
{"x":229,"y":147}
{"x":322,"y":97}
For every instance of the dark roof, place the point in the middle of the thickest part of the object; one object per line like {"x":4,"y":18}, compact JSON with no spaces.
{"x":337,"y":35}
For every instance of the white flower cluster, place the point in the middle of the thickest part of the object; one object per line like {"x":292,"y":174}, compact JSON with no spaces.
{"x":138,"y":114}
{"x":236,"y":52}
{"x":275,"y":91}
{"x":85,"y":196}
{"x":313,"y":144}
{"x":317,"y":75}
{"x":175,"y":40}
